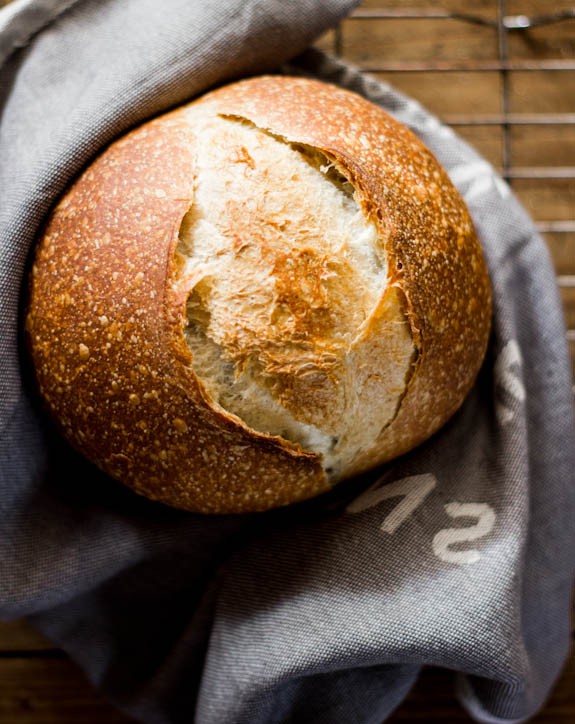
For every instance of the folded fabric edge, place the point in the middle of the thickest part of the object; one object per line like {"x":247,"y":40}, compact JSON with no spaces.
{"x":467,"y":697}
{"x":21,"y":20}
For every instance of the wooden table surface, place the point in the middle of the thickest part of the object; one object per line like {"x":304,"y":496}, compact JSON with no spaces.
{"x":511,"y":93}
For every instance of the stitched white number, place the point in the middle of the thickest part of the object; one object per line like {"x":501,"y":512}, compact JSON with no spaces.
{"x":509,"y":379}
{"x":443,"y":540}
{"x":414,"y":490}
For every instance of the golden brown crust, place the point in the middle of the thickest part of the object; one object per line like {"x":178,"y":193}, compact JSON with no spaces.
{"x":106,"y":314}
{"x":432,"y":251}
{"x":105,"y":330}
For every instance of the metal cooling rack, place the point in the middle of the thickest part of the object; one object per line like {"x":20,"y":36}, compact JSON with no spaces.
{"x":505,"y":24}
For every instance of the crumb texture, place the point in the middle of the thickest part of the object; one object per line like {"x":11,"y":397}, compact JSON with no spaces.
{"x":288,"y":308}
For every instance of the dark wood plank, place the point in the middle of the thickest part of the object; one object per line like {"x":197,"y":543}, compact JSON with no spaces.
{"x":481,"y":8}
{"x":327,"y":42}
{"x":533,"y":7}
{"x":562,"y":248}
{"x":548,"y":42}
{"x":542,"y":91}
{"x":568,"y":296}
{"x":21,"y":636}
{"x":460,"y":92}
{"x":556,"y":40}
{"x":51,"y":691}
{"x":543,"y":145}
{"x":373,"y":43}
{"x":549,"y":199}
{"x":572,"y":355}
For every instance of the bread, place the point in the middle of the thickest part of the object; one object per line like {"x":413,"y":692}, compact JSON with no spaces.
{"x":255,"y":296}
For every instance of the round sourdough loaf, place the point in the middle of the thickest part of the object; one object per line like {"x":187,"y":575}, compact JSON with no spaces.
{"x":255,"y":296}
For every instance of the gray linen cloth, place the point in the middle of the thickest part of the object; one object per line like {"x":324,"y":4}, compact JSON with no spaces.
{"x":459,"y":555}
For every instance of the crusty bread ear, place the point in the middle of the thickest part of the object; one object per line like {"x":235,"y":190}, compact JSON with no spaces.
{"x":253,"y":297}
{"x":285,"y":274}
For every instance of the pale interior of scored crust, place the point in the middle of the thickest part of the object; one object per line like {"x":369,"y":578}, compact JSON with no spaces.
{"x":286,"y":323}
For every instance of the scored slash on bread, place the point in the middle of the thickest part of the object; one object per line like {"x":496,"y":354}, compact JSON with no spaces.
{"x":257,"y":295}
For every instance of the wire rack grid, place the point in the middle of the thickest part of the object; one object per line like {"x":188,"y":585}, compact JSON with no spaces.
{"x":502,"y":72}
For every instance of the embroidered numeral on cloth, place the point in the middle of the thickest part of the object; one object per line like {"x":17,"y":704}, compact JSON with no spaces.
{"x":443,"y":540}
{"x":414,"y":490}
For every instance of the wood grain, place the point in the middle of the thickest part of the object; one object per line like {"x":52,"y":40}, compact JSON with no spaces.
{"x":374,"y":43}
{"x":535,"y":7}
{"x":21,"y":636}
{"x":562,"y":248}
{"x":547,"y":199}
{"x":482,"y":8}
{"x":459,"y":92}
{"x":551,"y":145}
{"x":327,"y":42}
{"x":51,"y":691}
{"x":568,"y":296}
{"x":542,"y":91}
{"x":556,"y":40}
